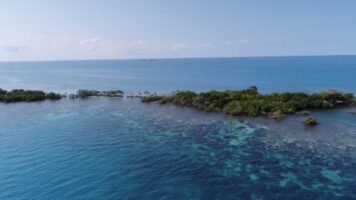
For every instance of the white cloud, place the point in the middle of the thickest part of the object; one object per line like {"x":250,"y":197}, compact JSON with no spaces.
{"x":13,"y":48}
{"x":180,"y":46}
{"x":92,"y":40}
{"x":191,"y":46}
{"x":44,"y":46}
{"x":204,"y":45}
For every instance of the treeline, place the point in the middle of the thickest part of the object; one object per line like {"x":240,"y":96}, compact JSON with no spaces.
{"x":249,"y":102}
{"x":84,"y":93}
{"x":20,"y":95}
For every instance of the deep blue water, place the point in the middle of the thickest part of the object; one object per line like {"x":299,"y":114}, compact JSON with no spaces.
{"x":112,"y":148}
{"x":269,"y":74}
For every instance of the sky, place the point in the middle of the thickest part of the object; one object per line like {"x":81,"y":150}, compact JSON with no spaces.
{"x":121,"y":29}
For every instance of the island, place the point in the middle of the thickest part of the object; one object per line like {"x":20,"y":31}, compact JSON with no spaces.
{"x":85,"y":93}
{"x":20,"y":95}
{"x":249,"y":102}
{"x":310,"y":121}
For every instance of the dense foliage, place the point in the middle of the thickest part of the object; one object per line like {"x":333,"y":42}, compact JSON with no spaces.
{"x":20,"y":95}
{"x":249,"y":102}
{"x":53,"y":96}
{"x":151,"y":98}
{"x":89,"y":93}
{"x":310,"y":121}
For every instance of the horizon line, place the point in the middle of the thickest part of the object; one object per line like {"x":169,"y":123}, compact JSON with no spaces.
{"x":171,"y":58}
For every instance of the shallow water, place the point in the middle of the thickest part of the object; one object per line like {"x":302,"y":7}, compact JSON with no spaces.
{"x":104,"y":148}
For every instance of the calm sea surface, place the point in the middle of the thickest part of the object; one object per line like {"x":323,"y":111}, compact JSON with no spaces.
{"x":119,"y":148}
{"x":307,"y":74}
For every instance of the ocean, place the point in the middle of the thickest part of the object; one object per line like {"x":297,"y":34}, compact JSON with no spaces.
{"x":269,"y":74}
{"x":120,"y":148}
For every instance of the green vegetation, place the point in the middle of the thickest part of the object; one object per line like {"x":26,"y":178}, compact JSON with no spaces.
{"x":249,"y":102}
{"x":310,"y":121}
{"x":151,"y":98}
{"x":26,"y":96}
{"x":113,"y":93}
{"x":53,"y":96}
{"x":89,"y":93}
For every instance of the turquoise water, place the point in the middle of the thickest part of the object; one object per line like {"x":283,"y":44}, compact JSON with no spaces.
{"x":112,"y":148}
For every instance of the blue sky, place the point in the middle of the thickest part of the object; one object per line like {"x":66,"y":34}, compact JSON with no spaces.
{"x":115,"y":29}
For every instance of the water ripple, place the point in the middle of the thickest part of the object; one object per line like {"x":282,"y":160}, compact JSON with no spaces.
{"x":102,"y":149}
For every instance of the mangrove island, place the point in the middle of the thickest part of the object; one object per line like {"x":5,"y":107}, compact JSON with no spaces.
{"x":250,"y":102}
{"x":311,"y":121}
{"x":20,"y":95}
{"x":85,"y":93}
